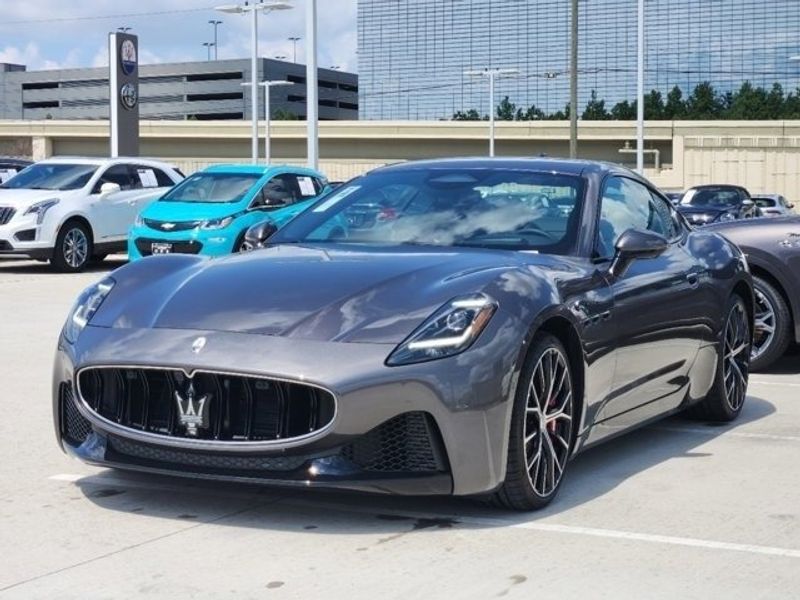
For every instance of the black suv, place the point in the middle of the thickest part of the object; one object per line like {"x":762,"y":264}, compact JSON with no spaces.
{"x":706,"y":204}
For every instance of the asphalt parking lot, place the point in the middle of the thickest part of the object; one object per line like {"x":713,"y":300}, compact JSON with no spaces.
{"x":679,"y":509}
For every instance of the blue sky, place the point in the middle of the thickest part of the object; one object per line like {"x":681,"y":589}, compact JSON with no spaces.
{"x":51,"y":34}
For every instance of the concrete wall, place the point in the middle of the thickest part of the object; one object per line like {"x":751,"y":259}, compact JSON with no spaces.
{"x":763,"y":156}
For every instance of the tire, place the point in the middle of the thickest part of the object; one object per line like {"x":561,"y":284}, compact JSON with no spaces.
{"x":771,"y":313}
{"x":536,"y":467}
{"x":726,"y":398}
{"x":73,"y":249}
{"x":239,"y":245}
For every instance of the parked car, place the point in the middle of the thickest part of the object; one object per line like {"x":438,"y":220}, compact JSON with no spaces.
{"x":706,"y":204}
{"x":471,"y":344}
{"x":773,"y":205}
{"x":11,"y":166}
{"x":772,"y":247}
{"x":74,"y":210}
{"x":210,"y":211}
{"x":674,"y":197}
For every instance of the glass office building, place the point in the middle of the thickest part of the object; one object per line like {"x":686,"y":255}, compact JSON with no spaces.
{"x":413,"y":53}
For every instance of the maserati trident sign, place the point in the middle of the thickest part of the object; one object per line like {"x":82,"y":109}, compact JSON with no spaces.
{"x":192,"y":410}
{"x":123,"y":79}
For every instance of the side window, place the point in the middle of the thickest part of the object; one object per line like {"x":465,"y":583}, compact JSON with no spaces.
{"x":119,"y":174}
{"x":163,"y":179}
{"x":664,"y":208}
{"x":626,"y":204}
{"x":281,"y":190}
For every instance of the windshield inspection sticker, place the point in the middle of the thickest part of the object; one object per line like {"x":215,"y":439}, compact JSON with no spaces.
{"x":336,"y":198}
{"x":148,"y":178}
{"x":306,"y":186}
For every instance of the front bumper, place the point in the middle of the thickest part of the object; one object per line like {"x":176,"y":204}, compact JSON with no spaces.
{"x":23,"y":236}
{"x":465,"y":422}
{"x":194,"y":241}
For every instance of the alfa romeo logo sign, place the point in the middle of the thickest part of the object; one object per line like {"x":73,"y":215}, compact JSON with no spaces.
{"x":127,"y":57}
{"x":128,"y":96}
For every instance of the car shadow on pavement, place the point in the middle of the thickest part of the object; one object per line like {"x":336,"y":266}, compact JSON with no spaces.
{"x":32,"y":267}
{"x":591,"y":475}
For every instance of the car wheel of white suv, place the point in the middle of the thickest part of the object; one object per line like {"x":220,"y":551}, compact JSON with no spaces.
{"x":73,"y":248}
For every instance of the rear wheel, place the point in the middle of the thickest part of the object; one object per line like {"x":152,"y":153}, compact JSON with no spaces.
{"x":772,"y":327}
{"x":541,"y":434}
{"x":725,"y":400}
{"x":73,"y":248}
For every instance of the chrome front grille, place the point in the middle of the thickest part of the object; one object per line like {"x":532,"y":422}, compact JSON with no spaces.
{"x":6,"y":214}
{"x":219,"y":407}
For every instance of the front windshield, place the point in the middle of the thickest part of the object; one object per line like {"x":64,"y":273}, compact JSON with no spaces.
{"x":212,"y":188}
{"x":488,"y":208}
{"x":711,"y":198}
{"x":51,"y":176}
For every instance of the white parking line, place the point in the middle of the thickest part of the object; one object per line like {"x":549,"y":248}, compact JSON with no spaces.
{"x":778,"y":383}
{"x":716,"y":432}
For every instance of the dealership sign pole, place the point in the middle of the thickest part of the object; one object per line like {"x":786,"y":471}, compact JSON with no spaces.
{"x":123,"y":78}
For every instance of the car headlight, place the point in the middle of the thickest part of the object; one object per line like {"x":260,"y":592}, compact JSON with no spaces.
{"x":725,"y":217}
{"x":450,"y":330}
{"x":40,"y":208}
{"x":217,"y":223}
{"x":85,"y":307}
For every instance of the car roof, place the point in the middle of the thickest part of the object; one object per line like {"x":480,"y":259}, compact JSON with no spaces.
{"x":250,"y":169}
{"x":718,"y":186}
{"x":10,"y":160}
{"x":100,"y":161}
{"x":563,"y":166}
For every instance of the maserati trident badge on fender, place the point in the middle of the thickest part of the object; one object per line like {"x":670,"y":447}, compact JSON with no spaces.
{"x":192,"y":411}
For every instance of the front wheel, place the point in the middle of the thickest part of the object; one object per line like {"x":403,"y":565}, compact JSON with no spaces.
{"x":73,"y":248}
{"x":772,"y":329}
{"x":541,"y":433}
{"x":725,"y":400}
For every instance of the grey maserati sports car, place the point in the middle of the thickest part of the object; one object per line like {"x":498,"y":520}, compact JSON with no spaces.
{"x":443,"y":327}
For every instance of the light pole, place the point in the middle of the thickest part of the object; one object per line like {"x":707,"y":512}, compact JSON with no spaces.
{"x":640,"y":92}
{"x":208,"y":46}
{"x":253,"y":10}
{"x":215,"y":23}
{"x":573,"y":82}
{"x":312,"y":86}
{"x":268,"y":116}
{"x":492,"y":74}
{"x":294,"y":39}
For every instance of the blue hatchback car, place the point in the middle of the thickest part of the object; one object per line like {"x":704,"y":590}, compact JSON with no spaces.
{"x":209,"y":212}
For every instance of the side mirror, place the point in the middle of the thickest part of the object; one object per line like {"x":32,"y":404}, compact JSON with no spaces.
{"x":635,"y":244}
{"x":257,"y":235}
{"x":109,"y":188}
{"x":790,"y":206}
{"x":748,"y":203}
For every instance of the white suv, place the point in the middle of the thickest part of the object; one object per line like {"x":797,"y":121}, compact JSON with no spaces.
{"x":74,"y":210}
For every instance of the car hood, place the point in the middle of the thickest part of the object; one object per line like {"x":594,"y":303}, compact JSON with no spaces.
{"x":326,"y":293}
{"x":24,"y":198}
{"x":190,"y":211}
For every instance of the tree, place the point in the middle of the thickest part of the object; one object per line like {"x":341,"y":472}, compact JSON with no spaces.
{"x":654,"y":108}
{"x":531,"y":114}
{"x":506,"y":110}
{"x":470,"y":115}
{"x":704,"y":102}
{"x":595,"y":109}
{"x":282,"y":114}
{"x":791,"y":105}
{"x":675,"y":107}
{"x":623,"y":111}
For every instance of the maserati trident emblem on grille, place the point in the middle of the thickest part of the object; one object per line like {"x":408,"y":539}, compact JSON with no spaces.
{"x":192,"y":411}
{"x":198,"y":345}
